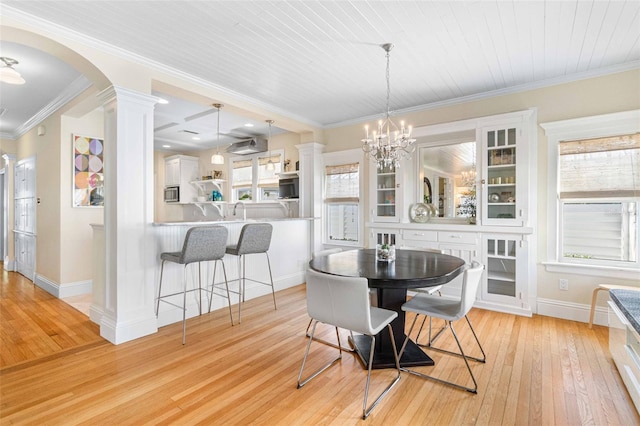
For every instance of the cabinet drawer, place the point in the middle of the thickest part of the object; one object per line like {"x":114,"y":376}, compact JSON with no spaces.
{"x":414,"y":235}
{"x":457,"y":237}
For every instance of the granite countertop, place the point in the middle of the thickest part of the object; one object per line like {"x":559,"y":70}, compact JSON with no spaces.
{"x":206,"y":221}
{"x":629,"y":303}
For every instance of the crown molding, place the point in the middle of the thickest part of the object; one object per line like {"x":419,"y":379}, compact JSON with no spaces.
{"x":74,"y":89}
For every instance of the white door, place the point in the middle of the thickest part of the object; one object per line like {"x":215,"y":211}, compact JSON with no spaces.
{"x":25,"y":217}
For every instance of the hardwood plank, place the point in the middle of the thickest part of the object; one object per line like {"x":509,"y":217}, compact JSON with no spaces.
{"x":247,"y":373}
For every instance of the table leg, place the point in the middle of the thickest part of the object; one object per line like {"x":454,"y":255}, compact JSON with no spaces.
{"x":391,"y":299}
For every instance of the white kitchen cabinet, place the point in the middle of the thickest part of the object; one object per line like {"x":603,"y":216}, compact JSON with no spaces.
{"x":386,"y":195}
{"x":180,"y":171}
{"x":624,"y":345}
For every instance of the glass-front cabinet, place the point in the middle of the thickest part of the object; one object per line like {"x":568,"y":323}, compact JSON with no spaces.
{"x":503,"y":149}
{"x":385,"y":195}
{"x":505,"y":259}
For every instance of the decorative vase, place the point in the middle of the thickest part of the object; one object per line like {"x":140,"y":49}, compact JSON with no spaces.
{"x":385,"y":252}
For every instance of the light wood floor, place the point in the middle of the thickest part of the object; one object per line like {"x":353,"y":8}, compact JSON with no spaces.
{"x":540,"y":371}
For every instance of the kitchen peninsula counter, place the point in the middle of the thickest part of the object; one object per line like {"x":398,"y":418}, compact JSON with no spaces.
{"x":289,"y":252}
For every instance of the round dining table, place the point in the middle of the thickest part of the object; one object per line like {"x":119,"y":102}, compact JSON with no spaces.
{"x":411,"y":269}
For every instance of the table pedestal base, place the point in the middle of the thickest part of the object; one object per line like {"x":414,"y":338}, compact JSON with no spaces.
{"x":413,"y":356}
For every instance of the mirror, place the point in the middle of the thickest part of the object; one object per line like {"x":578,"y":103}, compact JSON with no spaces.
{"x":447,"y":173}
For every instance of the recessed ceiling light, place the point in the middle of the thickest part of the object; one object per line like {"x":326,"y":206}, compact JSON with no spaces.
{"x":195,"y":138}
{"x":166,"y":146}
{"x":162,"y":101}
{"x":248,"y":125}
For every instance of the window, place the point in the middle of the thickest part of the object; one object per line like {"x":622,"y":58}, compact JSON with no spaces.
{"x":268,"y":179}
{"x":599,"y":182}
{"x":342,"y":199}
{"x":251,"y":178}
{"x":594,"y":194}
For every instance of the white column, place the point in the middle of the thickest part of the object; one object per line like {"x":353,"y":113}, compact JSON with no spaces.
{"x":128,"y":215}
{"x":311,"y":165}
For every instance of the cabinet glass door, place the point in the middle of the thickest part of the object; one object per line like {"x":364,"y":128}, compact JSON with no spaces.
{"x":386,"y":194}
{"x":500,"y":196}
{"x":501,"y":267}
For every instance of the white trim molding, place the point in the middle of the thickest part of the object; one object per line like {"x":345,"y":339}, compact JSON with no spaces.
{"x":571,"y":311}
{"x":579,"y":128}
{"x":63,"y":290}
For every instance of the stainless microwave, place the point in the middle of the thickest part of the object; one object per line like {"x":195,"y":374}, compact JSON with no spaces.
{"x":172,"y":194}
{"x":289,"y":187}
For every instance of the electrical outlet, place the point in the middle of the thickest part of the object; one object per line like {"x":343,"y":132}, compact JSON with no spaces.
{"x":563,"y":284}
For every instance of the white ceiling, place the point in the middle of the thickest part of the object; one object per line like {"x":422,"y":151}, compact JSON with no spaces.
{"x":320,"y":62}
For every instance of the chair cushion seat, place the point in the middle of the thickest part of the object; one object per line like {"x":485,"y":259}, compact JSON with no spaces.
{"x":379,"y":319}
{"x":434,"y":306}
{"x":171,"y":256}
{"x":428,"y":290}
{"x":232,"y":250}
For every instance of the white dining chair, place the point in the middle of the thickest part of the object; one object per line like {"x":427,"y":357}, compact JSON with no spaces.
{"x":427,"y":290}
{"x":450,"y":311}
{"x":327,"y":252}
{"x":344,"y":302}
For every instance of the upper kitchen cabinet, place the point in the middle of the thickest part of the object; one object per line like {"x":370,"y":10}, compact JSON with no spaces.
{"x":180,"y":169}
{"x":386,"y":196}
{"x":507,"y":161}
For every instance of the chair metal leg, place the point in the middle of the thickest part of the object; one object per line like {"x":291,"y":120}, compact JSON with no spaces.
{"x":240,"y":292}
{"x":226,"y":283}
{"x":199,"y":288}
{"x":273,"y":290}
{"x":184,"y":305}
{"x":461,"y":354}
{"x":213,"y":282}
{"x":325,"y":342}
{"x":301,"y":382}
{"x":159,"y":289}
{"x":366,"y":411}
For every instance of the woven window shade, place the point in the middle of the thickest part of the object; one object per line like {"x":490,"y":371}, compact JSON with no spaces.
{"x":342,"y":183}
{"x":600,"y":168}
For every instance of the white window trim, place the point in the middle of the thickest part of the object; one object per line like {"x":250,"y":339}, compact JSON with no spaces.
{"x":580,"y":128}
{"x":254,"y":170}
{"x":334,"y":159}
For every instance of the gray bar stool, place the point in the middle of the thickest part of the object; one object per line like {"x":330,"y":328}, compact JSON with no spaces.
{"x":254,"y":238}
{"x":201,"y":244}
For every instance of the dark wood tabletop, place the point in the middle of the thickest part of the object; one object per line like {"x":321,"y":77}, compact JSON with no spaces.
{"x":411,"y":269}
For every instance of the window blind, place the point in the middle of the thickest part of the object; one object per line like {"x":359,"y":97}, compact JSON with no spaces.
{"x":600,"y":168}
{"x":342,"y":183}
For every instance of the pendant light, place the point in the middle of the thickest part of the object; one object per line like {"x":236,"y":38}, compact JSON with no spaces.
{"x":270,"y":165}
{"x":8,"y":74}
{"x":217,"y":158}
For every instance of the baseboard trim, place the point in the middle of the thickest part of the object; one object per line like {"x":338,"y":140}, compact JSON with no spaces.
{"x":63,"y":290}
{"x":9,"y":265}
{"x":572,"y":311}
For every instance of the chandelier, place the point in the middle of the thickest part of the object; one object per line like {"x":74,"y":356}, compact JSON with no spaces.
{"x":468,"y":177}
{"x":389,"y":143}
